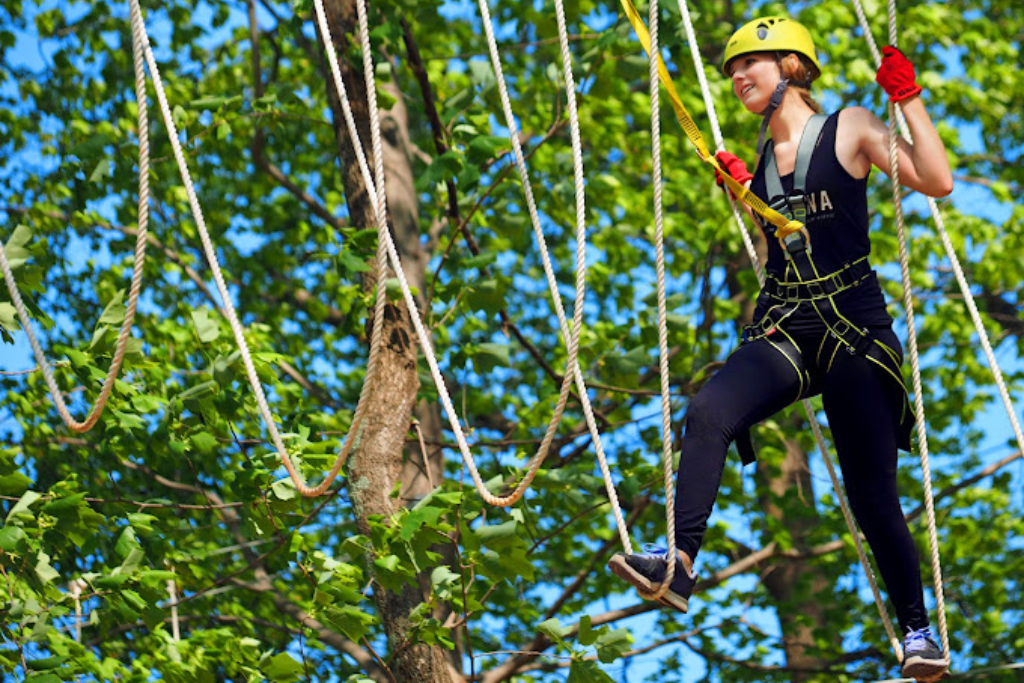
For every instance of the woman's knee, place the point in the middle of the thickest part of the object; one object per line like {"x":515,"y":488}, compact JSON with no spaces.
{"x":709,"y":413}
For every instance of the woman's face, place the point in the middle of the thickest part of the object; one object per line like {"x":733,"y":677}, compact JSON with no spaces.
{"x":754,"y":77}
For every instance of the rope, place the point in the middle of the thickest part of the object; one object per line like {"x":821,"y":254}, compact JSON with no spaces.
{"x":954,"y":260}
{"x":784,"y":225}
{"x":808,"y":409}
{"x":716,"y":132}
{"x":229,"y":309}
{"x":654,"y":62}
{"x":908,"y":304}
{"x":422,"y":336}
{"x":140,"y":259}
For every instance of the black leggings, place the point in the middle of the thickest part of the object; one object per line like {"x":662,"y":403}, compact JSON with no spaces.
{"x":862,"y":406}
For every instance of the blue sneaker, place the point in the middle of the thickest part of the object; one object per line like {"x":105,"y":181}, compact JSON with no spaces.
{"x":922,"y":657}
{"x":646,"y":571}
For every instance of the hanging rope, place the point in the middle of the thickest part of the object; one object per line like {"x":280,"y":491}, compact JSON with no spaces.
{"x":229,"y":309}
{"x":136,"y":286}
{"x":424,"y":340}
{"x":954,"y":260}
{"x":654,"y":61}
{"x":908,"y":304}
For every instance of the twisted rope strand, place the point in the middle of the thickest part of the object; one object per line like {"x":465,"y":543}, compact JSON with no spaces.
{"x":136,"y":285}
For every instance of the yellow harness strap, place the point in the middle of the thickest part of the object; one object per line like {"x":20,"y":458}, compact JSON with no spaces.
{"x":784,"y":226}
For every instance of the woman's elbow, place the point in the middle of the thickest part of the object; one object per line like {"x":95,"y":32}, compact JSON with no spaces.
{"x":943,"y":187}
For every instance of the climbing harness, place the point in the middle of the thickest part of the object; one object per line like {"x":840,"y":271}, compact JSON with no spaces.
{"x":804,"y":285}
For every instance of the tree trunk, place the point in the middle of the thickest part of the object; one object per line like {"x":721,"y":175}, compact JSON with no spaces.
{"x":376,"y":465}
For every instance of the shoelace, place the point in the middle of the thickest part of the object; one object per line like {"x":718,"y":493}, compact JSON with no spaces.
{"x":655,"y":550}
{"x":917,"y":640}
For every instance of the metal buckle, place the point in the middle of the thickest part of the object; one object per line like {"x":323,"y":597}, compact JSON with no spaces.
{"x":798,"y":207}
{"x":815,"y":290}
{"x":793,"y":293}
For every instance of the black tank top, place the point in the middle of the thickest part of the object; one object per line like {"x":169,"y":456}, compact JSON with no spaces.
{"x":837,"y":221}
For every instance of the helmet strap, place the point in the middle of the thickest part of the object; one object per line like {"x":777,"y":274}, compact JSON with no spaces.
{"x":773,"y":104}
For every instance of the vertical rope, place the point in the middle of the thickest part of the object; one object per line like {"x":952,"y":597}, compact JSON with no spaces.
{"x":896,"y":119}
{"x":136,"y":285}
{"x":653,"y":60}
{"x":908,"y":304}
{"x":965,"y":288}
{"x":172,"y":595}
{"x":716,"y":132}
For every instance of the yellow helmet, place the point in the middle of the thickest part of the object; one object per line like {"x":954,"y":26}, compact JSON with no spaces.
{"x":772,"y":34}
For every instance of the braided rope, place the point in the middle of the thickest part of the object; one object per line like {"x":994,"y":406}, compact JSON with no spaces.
{"x":653,"y":61}
{"x":136,"y":286}
{"x":581,"y":387}
{"x":808,"y":409}
{"x":896,"y":118}
{"x":954,"y":260}
{"x":716,"y":132}
{"x":908,"y":304}
{"x":229,"y":309}
{"x":421,"y":333}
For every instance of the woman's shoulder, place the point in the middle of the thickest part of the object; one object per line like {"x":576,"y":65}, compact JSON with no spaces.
{"x":856,"y":128}
{"x":855,"y":118}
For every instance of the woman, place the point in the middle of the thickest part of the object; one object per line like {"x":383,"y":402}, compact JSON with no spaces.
{"x":820,"y":324}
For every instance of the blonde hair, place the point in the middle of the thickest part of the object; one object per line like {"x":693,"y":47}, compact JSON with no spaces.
{"x":800,"y":74}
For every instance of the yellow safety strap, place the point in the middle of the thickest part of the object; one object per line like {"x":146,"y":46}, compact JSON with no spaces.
{"x":784,"y":226}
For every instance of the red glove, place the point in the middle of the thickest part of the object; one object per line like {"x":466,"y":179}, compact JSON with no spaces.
{"x":734,"y":166}
{"x":896,"y":75}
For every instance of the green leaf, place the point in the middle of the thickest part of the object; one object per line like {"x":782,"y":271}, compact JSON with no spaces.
{"x":587,"y":671}
{"x":11,"y":537}
{"x":351,"y":264}
{"x":586,"y":635}
{"x":613,"y":644}
{"x":14,"y":484}
{"x":114,"y":312}
{"x":553,"y":629}
{"x":101,"y":172}
{"x":204,"y":442}
{"x":17,"y":250}
{"x":489,"y":355}
{"x":141,"y":522}
{"x":44,"y":571}
{"x":207,"y":328}
{"x":351,"y":621}
{"x":21,"y":508}
{"x":284,"y":489}
{"x":282,"y":667}
{"x":46,"y":664}
{"x":59,"y":505}
{"x":126,"y":543}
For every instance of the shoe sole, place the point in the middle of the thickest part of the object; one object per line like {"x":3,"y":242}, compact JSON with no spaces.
{"x":645,"y":587}
{"x":925,"y":670}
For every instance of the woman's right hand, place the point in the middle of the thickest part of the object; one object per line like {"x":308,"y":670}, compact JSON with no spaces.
{"x":734,"y":166}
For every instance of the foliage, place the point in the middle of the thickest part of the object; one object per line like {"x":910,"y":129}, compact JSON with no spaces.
{"x":177,"y":482}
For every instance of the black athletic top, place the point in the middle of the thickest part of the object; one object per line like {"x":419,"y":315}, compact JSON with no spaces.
{"x":837,"y":221}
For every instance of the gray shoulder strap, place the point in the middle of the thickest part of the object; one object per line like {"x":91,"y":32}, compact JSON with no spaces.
{"x":808,"y":141}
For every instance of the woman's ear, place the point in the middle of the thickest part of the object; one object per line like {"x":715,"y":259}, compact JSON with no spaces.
{"x":790,"y":64}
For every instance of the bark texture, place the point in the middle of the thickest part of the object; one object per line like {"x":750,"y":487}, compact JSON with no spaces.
{"x":377,"y":465}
